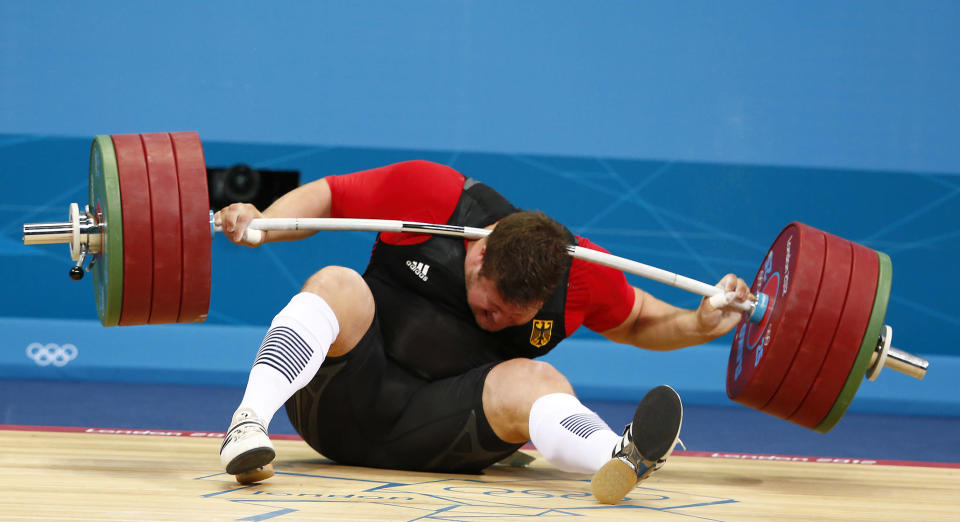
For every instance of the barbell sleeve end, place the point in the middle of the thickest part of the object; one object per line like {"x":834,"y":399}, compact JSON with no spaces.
{"x":47,"y":233}
{"x":906,"y":363}
{"x":886,"y":356}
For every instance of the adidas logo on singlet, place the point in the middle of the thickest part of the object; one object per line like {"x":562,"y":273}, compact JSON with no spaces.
{"x":419,"y":268}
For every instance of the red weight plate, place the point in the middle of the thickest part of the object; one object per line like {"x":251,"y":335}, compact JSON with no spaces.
{"x":846,"y":343}
{"x":195,"y":223}
{"x":137,"y":224}
{"x":165,"y":210}
{"x":762,"y":353}
{"x":820,"y":330}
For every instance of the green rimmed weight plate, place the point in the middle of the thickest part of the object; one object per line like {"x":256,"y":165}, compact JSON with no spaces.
{"x":105,"y":207}
{"x":869,"y":345}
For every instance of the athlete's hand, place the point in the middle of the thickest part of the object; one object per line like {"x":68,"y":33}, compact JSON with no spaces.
{"x":719,"y":321}
{"x":234,"y":220}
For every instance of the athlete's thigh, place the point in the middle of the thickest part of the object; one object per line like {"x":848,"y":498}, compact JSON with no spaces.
{"x":443,"y":428}
{"x":350,"y":396}
{"x":364,"y":409}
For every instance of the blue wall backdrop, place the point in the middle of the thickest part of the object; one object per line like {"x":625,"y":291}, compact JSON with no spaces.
{"x":867,"y":84}
{"x":684,"y":135}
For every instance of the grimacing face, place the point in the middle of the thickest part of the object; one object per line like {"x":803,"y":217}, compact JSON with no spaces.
{"x":490,"y":310}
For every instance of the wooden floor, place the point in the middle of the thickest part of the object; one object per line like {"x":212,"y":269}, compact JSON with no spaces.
{"x":93,"y":476}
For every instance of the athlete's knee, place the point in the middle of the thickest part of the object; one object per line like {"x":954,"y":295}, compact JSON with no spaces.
{"x":350,"y":299}
{"x":334,"y":279}
{"x":539,"y":377}
{"x":510,"y":390}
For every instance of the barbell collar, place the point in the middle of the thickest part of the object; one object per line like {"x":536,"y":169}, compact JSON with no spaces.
{"x":76,"y":272}
{"x":83,"y":233}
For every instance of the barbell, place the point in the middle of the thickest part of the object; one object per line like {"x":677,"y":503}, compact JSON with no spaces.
{"x":815,"y":331}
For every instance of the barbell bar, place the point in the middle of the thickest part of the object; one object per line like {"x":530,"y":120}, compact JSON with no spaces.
{"x":718,"y":298}
{"x":799,"y":353}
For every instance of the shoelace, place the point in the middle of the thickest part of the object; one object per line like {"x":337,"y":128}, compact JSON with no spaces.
{"x":625,"y":440}
{"x":240,"y":429}
{"x":633,"y":458}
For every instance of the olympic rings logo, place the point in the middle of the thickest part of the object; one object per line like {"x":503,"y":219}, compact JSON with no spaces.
{"x":47,"y":354}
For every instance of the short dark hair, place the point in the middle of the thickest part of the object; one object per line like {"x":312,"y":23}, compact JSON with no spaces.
{"x":526,"y":257}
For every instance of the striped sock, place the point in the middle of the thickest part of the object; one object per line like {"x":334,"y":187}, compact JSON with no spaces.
{"x":569,"y":435}
{"x":291,"y":353}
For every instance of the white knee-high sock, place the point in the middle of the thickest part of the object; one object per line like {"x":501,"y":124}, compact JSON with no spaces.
{"x":569,"y":435}
{"x":291,"y":353}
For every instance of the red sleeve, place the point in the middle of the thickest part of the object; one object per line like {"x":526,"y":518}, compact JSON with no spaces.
{"x":410,"y":191}
{"x":598,"y":297}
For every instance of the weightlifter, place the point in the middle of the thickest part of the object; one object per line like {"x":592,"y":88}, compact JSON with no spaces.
{"x":426,"y":360}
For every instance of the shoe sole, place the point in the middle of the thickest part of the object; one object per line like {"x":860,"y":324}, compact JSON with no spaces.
{"x":613,"y":481}
{"x":255,"y":475}
{"x":250,"y":460}
{"x":656,"y":423}
{"x":656,"y":426}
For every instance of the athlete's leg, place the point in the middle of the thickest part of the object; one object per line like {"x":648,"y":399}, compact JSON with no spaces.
{"x":531,"y":400}
{"x":329,"y":316}
{"x":526,"y":400}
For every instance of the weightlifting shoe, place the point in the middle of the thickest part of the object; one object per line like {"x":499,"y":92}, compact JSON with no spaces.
{"x":246,"y":447}
{"x":645,"y":446}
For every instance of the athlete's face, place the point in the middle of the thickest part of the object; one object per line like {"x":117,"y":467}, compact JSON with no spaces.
{"x":490,"y":310}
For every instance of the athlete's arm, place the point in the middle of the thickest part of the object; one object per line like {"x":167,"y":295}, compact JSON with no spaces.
{"x":657,"y":325}
{"x":309,"y":200}
{"x":411,"y":190}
